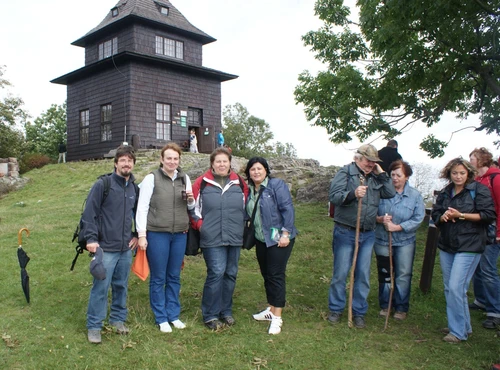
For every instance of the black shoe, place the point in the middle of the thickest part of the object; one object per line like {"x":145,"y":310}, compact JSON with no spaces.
{"x":475,"y":307}
{"x":214,"y":324}
{"x":491,"y":322}
{"x":359,"y":322}
{"x":334,"y":317}
{"x":229,"y":320}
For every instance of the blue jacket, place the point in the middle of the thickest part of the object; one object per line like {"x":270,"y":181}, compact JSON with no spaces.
{"x":407,"y":210}
{"x":276,"y":209}
{"x":220,"y":139}
{"x":110,"y":224}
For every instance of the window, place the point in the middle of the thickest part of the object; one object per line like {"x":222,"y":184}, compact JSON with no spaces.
{"x":169,"y":47}
{"x":163,"y":121}
{"x":106,"y":113}
{"x":195,"y":117}
{"x":164,"y":10}
{"x":84,"y":126}
{"x":108,"y":48}
{"x":114,"y":11}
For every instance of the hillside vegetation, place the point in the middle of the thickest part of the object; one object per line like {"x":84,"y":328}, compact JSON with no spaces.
{"x":50,"y":333}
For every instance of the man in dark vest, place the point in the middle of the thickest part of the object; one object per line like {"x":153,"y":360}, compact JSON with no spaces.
{"x":389,"y":154}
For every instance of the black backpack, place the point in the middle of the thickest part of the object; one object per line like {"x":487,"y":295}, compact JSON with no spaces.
{"x":81,"y":242}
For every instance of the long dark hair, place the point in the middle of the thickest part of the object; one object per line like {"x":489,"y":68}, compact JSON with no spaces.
{"x":251,"y":162}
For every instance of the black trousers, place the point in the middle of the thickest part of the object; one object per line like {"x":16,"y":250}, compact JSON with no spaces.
{"x":272,"y":262}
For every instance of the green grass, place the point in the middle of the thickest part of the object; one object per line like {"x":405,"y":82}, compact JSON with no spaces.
{"x":50,"y":333}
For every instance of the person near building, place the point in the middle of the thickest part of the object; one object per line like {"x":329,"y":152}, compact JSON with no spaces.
{"x":107,"y":224}
{"x":193,"y":142}
{"x":220,"y":138}
{"x":61,"y":148}
{"x":389,"y":154}
{"x":219,"y":215}
{"x":486,"y":281}
{"x":363,"y":181}
{"x":162,"y":222}
{"x":462,"y":212}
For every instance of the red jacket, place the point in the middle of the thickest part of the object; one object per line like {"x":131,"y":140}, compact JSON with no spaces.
{"x":494,"y":189}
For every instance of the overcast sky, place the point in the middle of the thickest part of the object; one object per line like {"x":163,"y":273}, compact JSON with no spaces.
{"x":258,"y":40}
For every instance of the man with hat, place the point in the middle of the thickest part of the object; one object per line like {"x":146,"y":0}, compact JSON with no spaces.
{"x":362,"y":180}
{"x":107,"y":228}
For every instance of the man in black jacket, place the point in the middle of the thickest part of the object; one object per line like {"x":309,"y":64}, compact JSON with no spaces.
{"x":107,"y":224}
{"x":389,"y":154}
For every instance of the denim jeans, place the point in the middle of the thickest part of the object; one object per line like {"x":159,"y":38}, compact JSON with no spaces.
{"x":343,"y":240}
{"x":222,"y":268}
{"x":165,"y":253}
{"x":402,"y":257}
{"x":458,"y":269}
{"x":487,"y":282}
{"x":117,"y":265}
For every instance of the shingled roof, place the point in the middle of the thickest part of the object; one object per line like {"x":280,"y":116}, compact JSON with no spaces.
{"x":148,"y":11}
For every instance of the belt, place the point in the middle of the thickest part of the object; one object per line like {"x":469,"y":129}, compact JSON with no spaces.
{"x":362,"y":230}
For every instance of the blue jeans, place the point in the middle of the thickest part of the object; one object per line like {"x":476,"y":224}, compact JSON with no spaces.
{"x":117,"y":265}
{"x":343,"y":240}
{"x":458,"y":269}
{"x":402,"y":257}
{"x":222,"y":268}
{"x":165,"y":255}
{"x":487,"y":282}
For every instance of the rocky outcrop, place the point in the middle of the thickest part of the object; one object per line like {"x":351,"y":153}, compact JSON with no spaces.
{"x":307,"y":180}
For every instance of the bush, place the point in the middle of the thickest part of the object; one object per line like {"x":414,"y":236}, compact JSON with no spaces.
{"x":33,"y":160}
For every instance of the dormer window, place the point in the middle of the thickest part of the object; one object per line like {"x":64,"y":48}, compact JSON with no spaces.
{"x":114,"y":12}
{"x":162,"y":7}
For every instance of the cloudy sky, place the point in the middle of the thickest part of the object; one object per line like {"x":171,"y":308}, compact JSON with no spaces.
{"x":259,"y":40}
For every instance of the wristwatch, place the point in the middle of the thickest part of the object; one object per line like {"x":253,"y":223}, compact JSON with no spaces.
{"x":462,"y":216}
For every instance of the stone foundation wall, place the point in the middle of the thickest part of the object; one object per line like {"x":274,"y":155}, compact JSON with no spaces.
{"x":9,"y":167}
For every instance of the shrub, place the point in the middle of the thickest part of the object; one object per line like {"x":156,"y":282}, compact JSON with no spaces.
{"x":33,"y":160}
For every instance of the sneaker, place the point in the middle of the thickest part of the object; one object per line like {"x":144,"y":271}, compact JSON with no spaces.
{"x":334,"y":317}
{"x":383,"y":312}
{"x":445,"y":330}
{"x":399,"y":315}
{"x":94,"y":336}
{"x":120,"y":327}
{"x":263,"y":315}
{"x":178,"y":324}
{"x":474,"y":306}
{"x":229,"y":320}
{"x":275,"y":326}
{"x":491,"y":322}
{"x":165,"y":327}
{"x":214,"y":324}
{"x":359,"y":322}
{"x":450,"y":338}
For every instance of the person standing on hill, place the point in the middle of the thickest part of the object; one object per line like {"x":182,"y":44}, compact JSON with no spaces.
{"x":61,"y":148}
{"x":193,"y":142}
{"x":389,"y":154}
{"x":107,"y":224}
{"x":361,"y":181}
{"x":220,"y":138}
{"x":486,"y":281}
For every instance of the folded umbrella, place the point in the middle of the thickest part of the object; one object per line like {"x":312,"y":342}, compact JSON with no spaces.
{"x":23,"y":261}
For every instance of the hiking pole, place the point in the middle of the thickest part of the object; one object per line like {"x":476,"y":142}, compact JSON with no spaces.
{"x":354,"y":257}
{"x":391,"y":271}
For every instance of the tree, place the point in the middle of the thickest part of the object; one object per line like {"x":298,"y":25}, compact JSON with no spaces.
{"x":425,"y":179}
{"x":48,"y":130}
{"x":12,"y":116}
{"x":249,"y":136}
{"x":403,"y":62}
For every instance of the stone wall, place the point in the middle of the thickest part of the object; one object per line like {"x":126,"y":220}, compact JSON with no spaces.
{"x":9,"y":167}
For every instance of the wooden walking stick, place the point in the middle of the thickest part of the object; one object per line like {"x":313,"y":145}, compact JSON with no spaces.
{"x":355,"y":256}
{"x":391,"y":270}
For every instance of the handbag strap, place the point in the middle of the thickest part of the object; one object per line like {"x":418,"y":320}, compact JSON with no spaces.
{"x":255,"y":206}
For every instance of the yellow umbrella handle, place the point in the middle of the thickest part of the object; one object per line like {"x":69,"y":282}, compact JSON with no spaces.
{"x":20,"y":235}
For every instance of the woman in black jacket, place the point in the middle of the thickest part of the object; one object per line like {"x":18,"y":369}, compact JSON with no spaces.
{"x":462,"y":212}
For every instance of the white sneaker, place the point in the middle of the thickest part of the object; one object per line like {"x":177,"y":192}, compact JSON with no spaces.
{"x":265,"y":315}
{"x":165,"y":327}
{"x":275,"y":327}
{"x":178,"y":324}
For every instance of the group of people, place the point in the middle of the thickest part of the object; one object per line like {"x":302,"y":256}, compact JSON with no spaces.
{"x":376,"y":208}
{"x":193,"y":140}
{"x":218,"y":204}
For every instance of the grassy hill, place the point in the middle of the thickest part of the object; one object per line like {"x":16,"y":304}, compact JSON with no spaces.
{"x":50,"y":333}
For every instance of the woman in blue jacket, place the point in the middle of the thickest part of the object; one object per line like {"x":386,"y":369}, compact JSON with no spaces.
{"x":275,"y":235}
